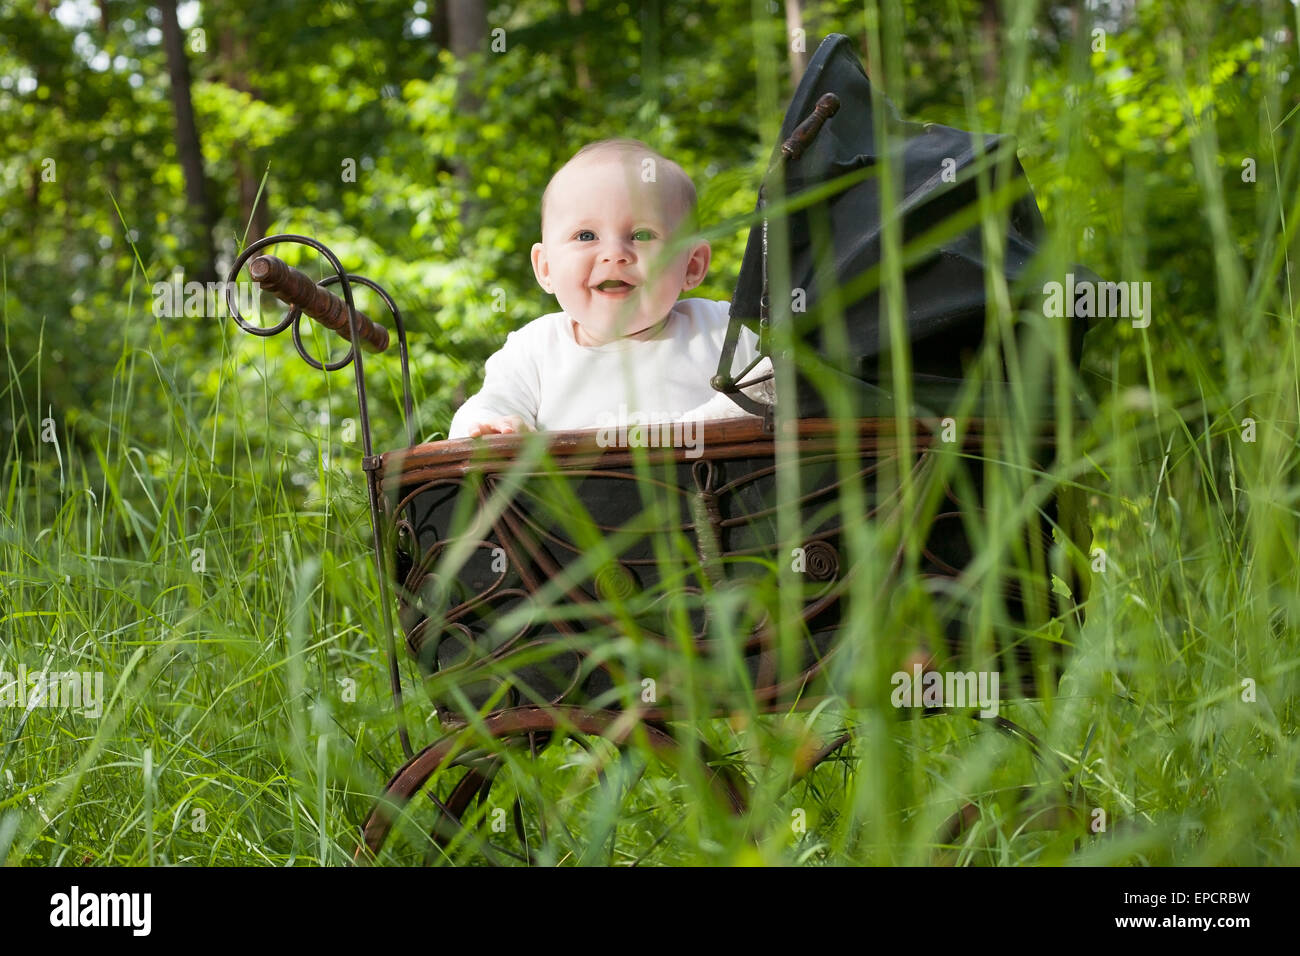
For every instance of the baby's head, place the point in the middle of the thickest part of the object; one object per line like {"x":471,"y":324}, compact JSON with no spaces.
{"x":607,"y":219}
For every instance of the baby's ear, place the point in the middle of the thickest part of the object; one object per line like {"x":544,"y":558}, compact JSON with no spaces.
{"x":541,"y":268}
{"x":697,"y":265}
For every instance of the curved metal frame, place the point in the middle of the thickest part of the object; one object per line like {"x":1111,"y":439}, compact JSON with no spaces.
{"x":524,"y":721}
{"x":369,"y":463}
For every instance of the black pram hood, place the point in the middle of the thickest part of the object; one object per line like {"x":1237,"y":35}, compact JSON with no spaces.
{"x":945,"y":289}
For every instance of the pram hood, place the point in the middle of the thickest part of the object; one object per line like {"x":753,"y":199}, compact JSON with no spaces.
{"x":945,"y":285}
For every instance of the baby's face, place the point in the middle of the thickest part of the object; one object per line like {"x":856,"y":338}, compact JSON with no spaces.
{"x":602,"y":248}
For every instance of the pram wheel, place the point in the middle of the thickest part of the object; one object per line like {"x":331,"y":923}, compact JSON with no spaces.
{"x":545,"y":786}
{"x":1010,"y":814}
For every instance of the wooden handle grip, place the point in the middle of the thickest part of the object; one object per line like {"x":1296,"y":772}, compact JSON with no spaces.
{"x":805,"y":132}
{"x":291,"y":286}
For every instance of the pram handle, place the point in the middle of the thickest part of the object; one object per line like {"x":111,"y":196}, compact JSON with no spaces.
{"x":298,"y":290}
{"x":806,"y":132}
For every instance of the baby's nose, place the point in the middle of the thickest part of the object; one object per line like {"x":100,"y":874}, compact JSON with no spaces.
{"x":617,"y":251}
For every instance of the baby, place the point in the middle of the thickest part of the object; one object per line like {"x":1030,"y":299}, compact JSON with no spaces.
{"x":624,"y":346}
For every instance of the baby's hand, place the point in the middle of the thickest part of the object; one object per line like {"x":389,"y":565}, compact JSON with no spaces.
{"x":499,"y":426}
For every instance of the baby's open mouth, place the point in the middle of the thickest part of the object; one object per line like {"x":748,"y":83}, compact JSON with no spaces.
{"x":615,"y":285}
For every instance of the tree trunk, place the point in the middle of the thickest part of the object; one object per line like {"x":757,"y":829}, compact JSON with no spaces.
{"x":468,"y":33}
{"x":439,"y":28}
{"x":581,"y":74}
{"x":187,"y":140}
{"x":798,"y":57}
{"x":989,"y":41}
{"x":467,"y":26}
{"x":256,"y":219}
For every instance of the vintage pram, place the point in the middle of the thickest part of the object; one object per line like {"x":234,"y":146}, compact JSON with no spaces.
{"x":683,"y":549}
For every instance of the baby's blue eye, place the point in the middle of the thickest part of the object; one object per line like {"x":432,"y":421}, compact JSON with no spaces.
{"x":643,"y":235}
{"x":586,"y":235}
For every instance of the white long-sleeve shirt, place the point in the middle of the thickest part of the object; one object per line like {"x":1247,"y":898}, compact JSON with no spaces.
{"x":550,"y":381}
